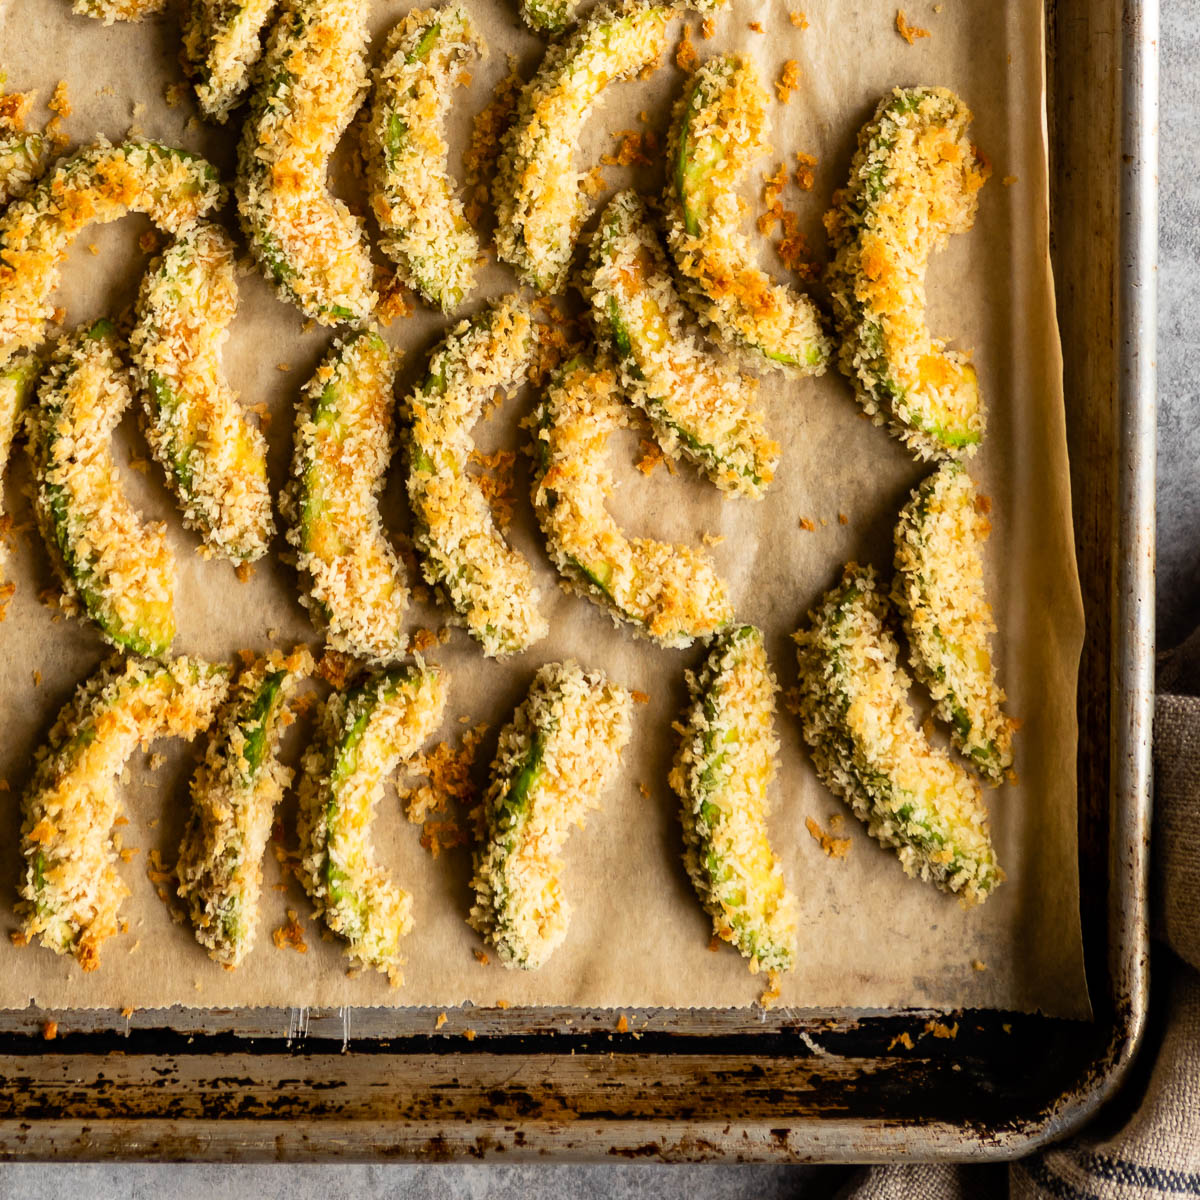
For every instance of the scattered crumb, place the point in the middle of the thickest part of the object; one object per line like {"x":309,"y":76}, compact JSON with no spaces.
{"x":649,"y":456}
{"x":282,"y":366}
{"x":481,"y":956}
{"x":686,"y":58}
{"x":93,"y":249}
{"x":422,"y":640}
{"x":441,"y":1020}
{"x":940,"y":1029}
{"x":622,"y":1024}
{"x":798,"y":19}
{"x":712,"y":539}
{"x":908,"y":32}
{"x":806,"y":164}
{"x":469,"y":1034}
{"x":901,"y":1039}
{"x":644,"y":790}
{"x":14,"y":107}
{"x":60,"y":105}
{"x":49,"y":1030}
{"x":708,"y":27}
{"x":714,"y":944}
{"x":807,"y":525}
{"x":640,"y":697}
{"x":395,"y":300}
{"x":978,"y":965}
{"x":789,"y":81}
{"x":336,"y":668}
{"x":501,"y":1003}
{"x":836,"y":822}
{"x":149,"y":242}
{"x":1006,"y":1027}
{"x":594,"y":182}
{"x":834,"y":847}
{"x":173,"y":94}
{"x":637,"y":148}
{"x":290,"y":936}
{"x":1009,"y":180}
{"x":127,"y":1011}
{"x":18,"y":938}
{"x":843,"y":519}
{"x":244,"y":572}
{"x":128,"y":854}
{"x":138,"y":463}
{"x":771,"y":992}
{"x":756,"y":26}
{"x":37,"y":678}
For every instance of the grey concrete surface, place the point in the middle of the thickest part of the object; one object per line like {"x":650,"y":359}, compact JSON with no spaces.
{"x":1178,"y":613}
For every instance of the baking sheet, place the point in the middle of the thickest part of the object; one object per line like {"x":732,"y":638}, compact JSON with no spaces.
{"x":869,"y":936}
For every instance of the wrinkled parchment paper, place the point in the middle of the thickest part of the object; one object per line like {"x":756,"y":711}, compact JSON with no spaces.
{"x":869,"y":936}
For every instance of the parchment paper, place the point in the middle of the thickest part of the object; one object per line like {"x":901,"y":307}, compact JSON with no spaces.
{"x":869,"y":935}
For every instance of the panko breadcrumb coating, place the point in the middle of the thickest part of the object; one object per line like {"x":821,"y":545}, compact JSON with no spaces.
{"x":540,"y":199}
{"x":22,"y":157}
{"x":424,"y":230}
{"x":669,"y":593}
{"x":940,"y":594}
{"x":914,"y":181}
{"x":121,"y":569}
{"x":700,"y":407}
{"x":235,"y":792}
{"x":222,"y":43}
{"x":868,"y":749}
{"x":354,"y":582}
{"x":311,"y":81}
{"x":718,"y":130}
{"x":71,"y":889}
{"x":215,"y":460}
{"x":462,"y":551}
{"x":109,"y":11}
{"x":554,"y":758}
{"x":364,"y":734}
{"x":99,"y":183}
{"x":725,"y":764}
{"x":17,"y":379}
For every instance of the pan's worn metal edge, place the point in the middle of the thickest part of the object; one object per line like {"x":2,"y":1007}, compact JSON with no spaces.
{"x":807,"y":1087}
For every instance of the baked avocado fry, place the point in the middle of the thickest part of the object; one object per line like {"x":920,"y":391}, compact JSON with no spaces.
{"x":724,"y":766}
{"x":308,"y":87}
{"x":869,"y":750}
{"x":699,"y":407}
{"x":215,"y":460}
{"x":668,"y":593}
{"x":462,"y":551}
{"x":235,"y":792}
{"x":939,"y":591}
{"x":354,"y":583}
{"x":22,"y":156}
{"x":914,"y":181}
{"x":222,"y":43}
{"x":70,"y":888}
{"x":554,"y":758}
{"x":99,"y":183}
{"x":120,"y":569}
{"x":364,"y":735}
{"x":17,"y":379}
{"x":718,"y":130}
{"x":540,"y":201}
{"x":424,"y":230}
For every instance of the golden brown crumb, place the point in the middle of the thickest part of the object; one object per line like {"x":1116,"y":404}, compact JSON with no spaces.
{"x":422,"y":640}
{"x":7,"y":592}
{"x":639,"y":697}
{"x":978,"y":965}
{"x":707,"y":28}
{"x":173,"y":94}
{"x":49,"y":1030}
{"x":908,"y":32}
{"x":649,"y":456}
{"x":13,"y":109}
{"x":127,"y":1011}
{"x":807,"y":525}
{"x":17,"y":938}
{"x":712,"y":539}
{"x":1006,"y":1027}
{"x":983,"y":504}
{"x":789,"y":80}
{"x":481,"y":957}
{"x":843,"y":519}
{"x":798,"y":19}
{"x":686,"y":58}
{"x":282,"y":366}
{"x":59,"y":103}
{"x":37,"y":678}
{"x":644,"y":790}
{"x":805,"y":176}
{"x":395,"y":300}
{"x":501,"y":1003}
{"x":636,"y":148}
{"x":497,"y":484}
{"x":622,"y":1024}
{"x":834,"y":847}
{"x":244,"y":572}
{"x":714,"y":944}
{"x":336,"y":668}
{"x":149,"y":242}
{"x":437,"y":836}
{"x":901,"y":1039}
{"x":448,"y":771}
{"x":594,"y":182}
{"x":441,"y":1020}
{"x":756,"y":26}
{"x":469,"y":1034}
{"x":770,"y":994}
{"x":290,"y":936}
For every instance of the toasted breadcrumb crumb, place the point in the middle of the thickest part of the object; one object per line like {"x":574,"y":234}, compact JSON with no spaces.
{"x":807,"y":525}
{"x":908,"y":32}
{"x":497,"y":484}
{"x":940,"y":1029}
{"x":336,"y":668}
{"x":770,"y":994}
{"x":798,"y":19}
{"x":712,"y":539}
{"x":901,"y":1039}
{"x":636,"y":148}
{"x":833,"y":847}
{"x":843,"y":519}
{"x":173,"y":94}
{"x":290,"y":935}
{"x":805,"y":170}
{"x":649,"y":456}
{"x":244,"y":572}
{"x":149,"y":242}
{"x":708,"y":27}
{"x":469,"y":1034}
{"x":622,"y":1024}
{"x":686,"y":58}
{"x":441,"y":1020}
{"x":481,"y":956}
{"x":789,"y":81}
{"x":756,"y":26}
{"x":18,"y":938}
{"x":49,"y":1030}
{"x":1008,"y":180}
{"x":978,"y":965}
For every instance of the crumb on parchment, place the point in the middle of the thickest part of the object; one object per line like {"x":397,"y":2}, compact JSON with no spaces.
{"x":833,"y":847}
{"x":290,"y":935}
{"x":908,"y":32}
